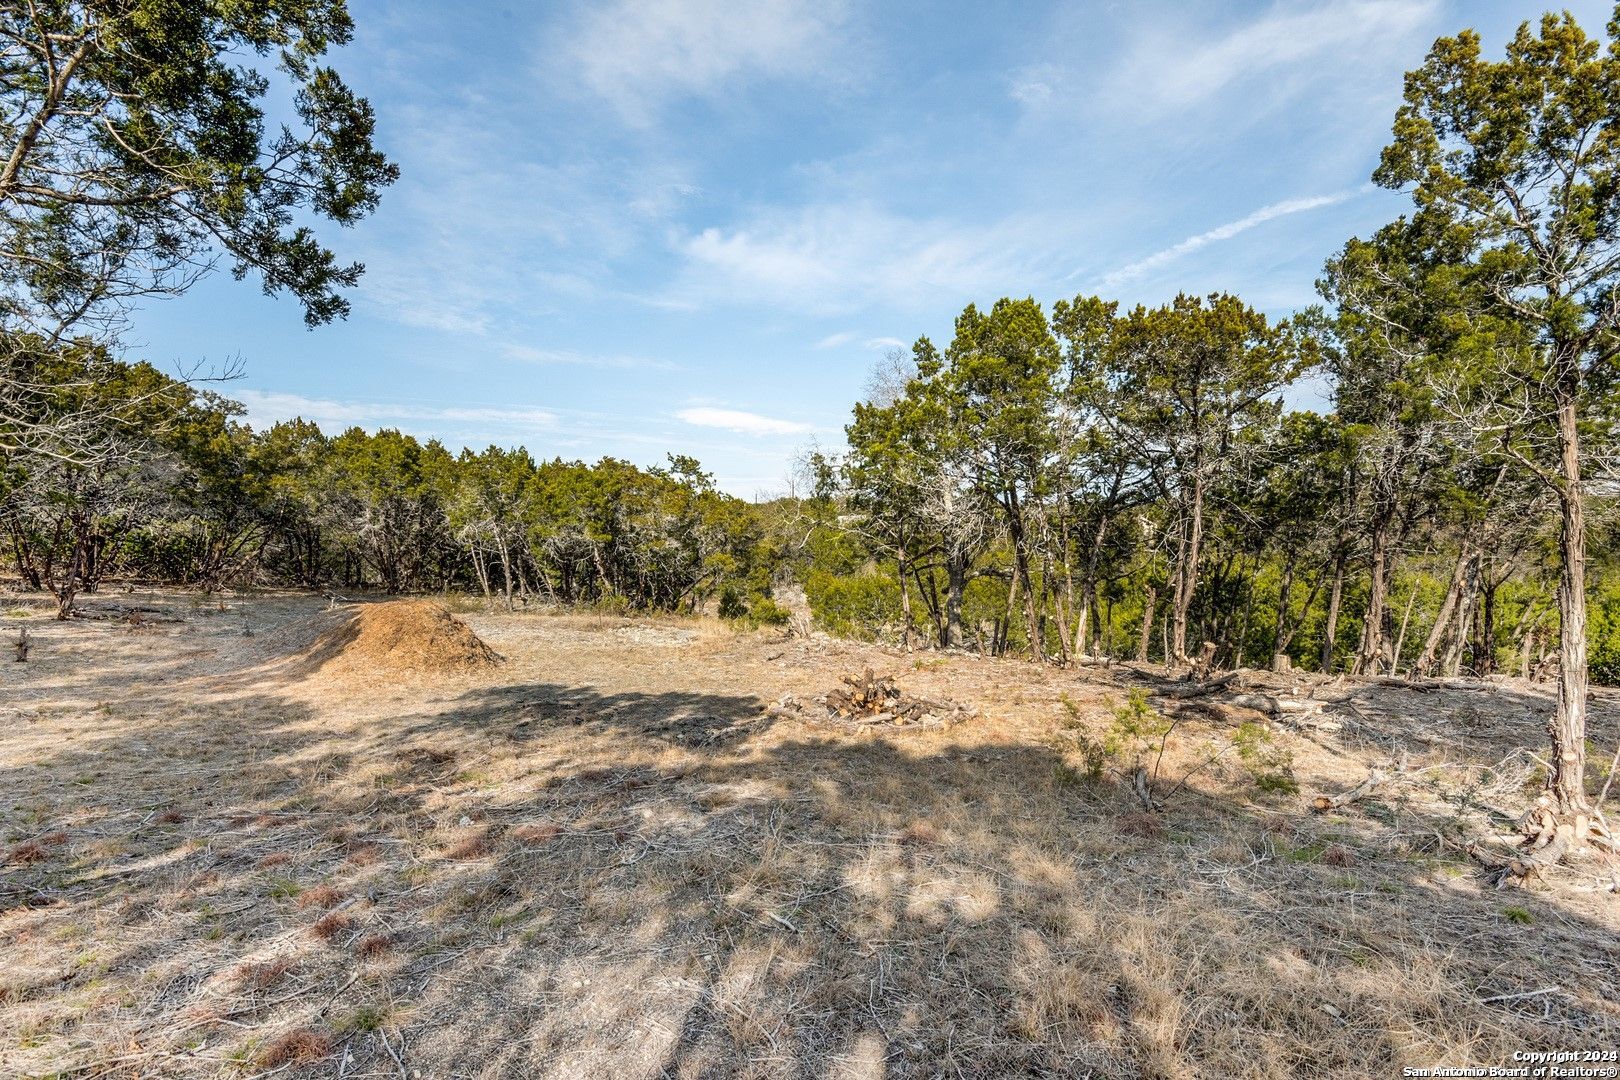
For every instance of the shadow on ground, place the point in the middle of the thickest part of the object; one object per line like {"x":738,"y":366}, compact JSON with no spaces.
{"x":551,"y":880}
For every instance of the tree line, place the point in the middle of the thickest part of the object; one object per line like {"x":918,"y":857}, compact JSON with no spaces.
{"x":171,"y":486}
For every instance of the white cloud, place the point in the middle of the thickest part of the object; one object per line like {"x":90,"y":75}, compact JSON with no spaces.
{"x":529,"y":354}
{"x":1182,"y":64}
{"x":638,"y":54}
{"x":485,"y":236}
{"x":1219,"y":233}
{"x":266,"y":407}
{"x":843,"y":257}
{"x":1032,"y":87}
{"x":846,"y":337}
{"x":743,"y":423}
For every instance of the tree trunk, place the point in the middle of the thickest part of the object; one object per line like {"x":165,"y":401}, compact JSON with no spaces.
{"x":1020,"y":544}
{"x":24,"y":556}
{"x":1330,"y":630}
{"x":1566,"y":783}
{"x":1187,"y":577}
{"x":1485,"y":646}
{"x":1284,"y":595}
{"x":928,"y":589}
{"x":1372,"y":630}
{"x":506,"y":568}
{"x":1431,"y":646}
{"x":1148,"y":600}
{"x":955,"y":585}
{"x":69,"y":586}
{"x":1400,"y":635}
{"x":1065,"y":606}
{"x":1066,"y":613}
{"x":1241,"y":653}
{"x":1452,"y":664}
{"x":905,"y":598}
{"x":1085,"y":625}
{"x":1004,"y":629}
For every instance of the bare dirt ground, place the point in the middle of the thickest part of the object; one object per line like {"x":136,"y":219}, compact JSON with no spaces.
{"x":605,"y":856}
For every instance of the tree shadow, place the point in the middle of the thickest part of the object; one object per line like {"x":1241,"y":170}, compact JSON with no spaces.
{"x":567,"y":881}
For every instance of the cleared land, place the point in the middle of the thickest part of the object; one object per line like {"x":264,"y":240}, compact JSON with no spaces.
{"x":318,"y":849}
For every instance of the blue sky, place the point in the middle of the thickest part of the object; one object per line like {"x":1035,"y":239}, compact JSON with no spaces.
{"x":640,"y":226}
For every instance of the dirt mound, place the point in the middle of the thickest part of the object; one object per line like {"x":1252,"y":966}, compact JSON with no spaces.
{"x":400,"y":637}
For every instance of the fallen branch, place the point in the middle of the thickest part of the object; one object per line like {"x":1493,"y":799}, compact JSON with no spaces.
{"x":1199,"y":689}
{"x":1544,"y":991}
{"x":1375,"y":779}
{"x":1424,"y":685}
{"x":1276,"y":706}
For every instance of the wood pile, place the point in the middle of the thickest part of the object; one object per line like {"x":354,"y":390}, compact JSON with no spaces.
{"x":872,"y":699}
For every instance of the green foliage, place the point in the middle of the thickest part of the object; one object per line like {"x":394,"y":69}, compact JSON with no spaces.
{"x":1271,"y":766}
{"x":1137,"y":730}
{"x":133,"y":166}
{"x":862,"y":606}
{"x":366,"y":1018}
{"x":1519,"y":915}
{"x":1603,"y":632}
{"x":763,"y":611}
{"x":732,"y":604}
{"x":1093,"y":754}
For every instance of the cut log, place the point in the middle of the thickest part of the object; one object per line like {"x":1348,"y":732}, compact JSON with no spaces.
{"x":1234,"y":715}
{"x":1375,"y":779}
{"x":1276,"y":706}
{"x":1205,"y":661}
{"x":1199,"y":689}
{"x":868,"y":699}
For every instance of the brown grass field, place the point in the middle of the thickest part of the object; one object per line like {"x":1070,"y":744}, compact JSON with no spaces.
{"x":311,"y":851}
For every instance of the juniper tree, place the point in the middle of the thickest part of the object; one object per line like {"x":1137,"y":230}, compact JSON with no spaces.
{"x":136,"y":153}
{"x":1518,"y":161}
{"x":1190,"y":379}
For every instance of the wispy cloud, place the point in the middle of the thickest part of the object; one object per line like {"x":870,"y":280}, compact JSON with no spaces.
{"x":1219,"y":233}
{"x":1276,"y":53}
{"x":849,"y":337}
{"x":266,"y":407}
{"x":830,"y":258}
{"x":529,"y":354}
{"x":1032,"y":87}
{"x":467,"y":249}
{"x":743,"y":423}
{"x":638,"y":54}
{"x":1188,"y":65}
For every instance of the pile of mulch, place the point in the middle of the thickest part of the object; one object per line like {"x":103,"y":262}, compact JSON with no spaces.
{"x":872,"y":700}
{"x":401,"y":637}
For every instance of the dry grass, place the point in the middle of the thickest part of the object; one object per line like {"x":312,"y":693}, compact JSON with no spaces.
{"x":330,"y":925}
{"x":629,"y":870}
{"x":263,"y":974}
{"x":471,"y":847}
{"x":321,"y":896}
{"x":301,"y":1047}
{"x":26,"y":853}
{"x":369,"y":948}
